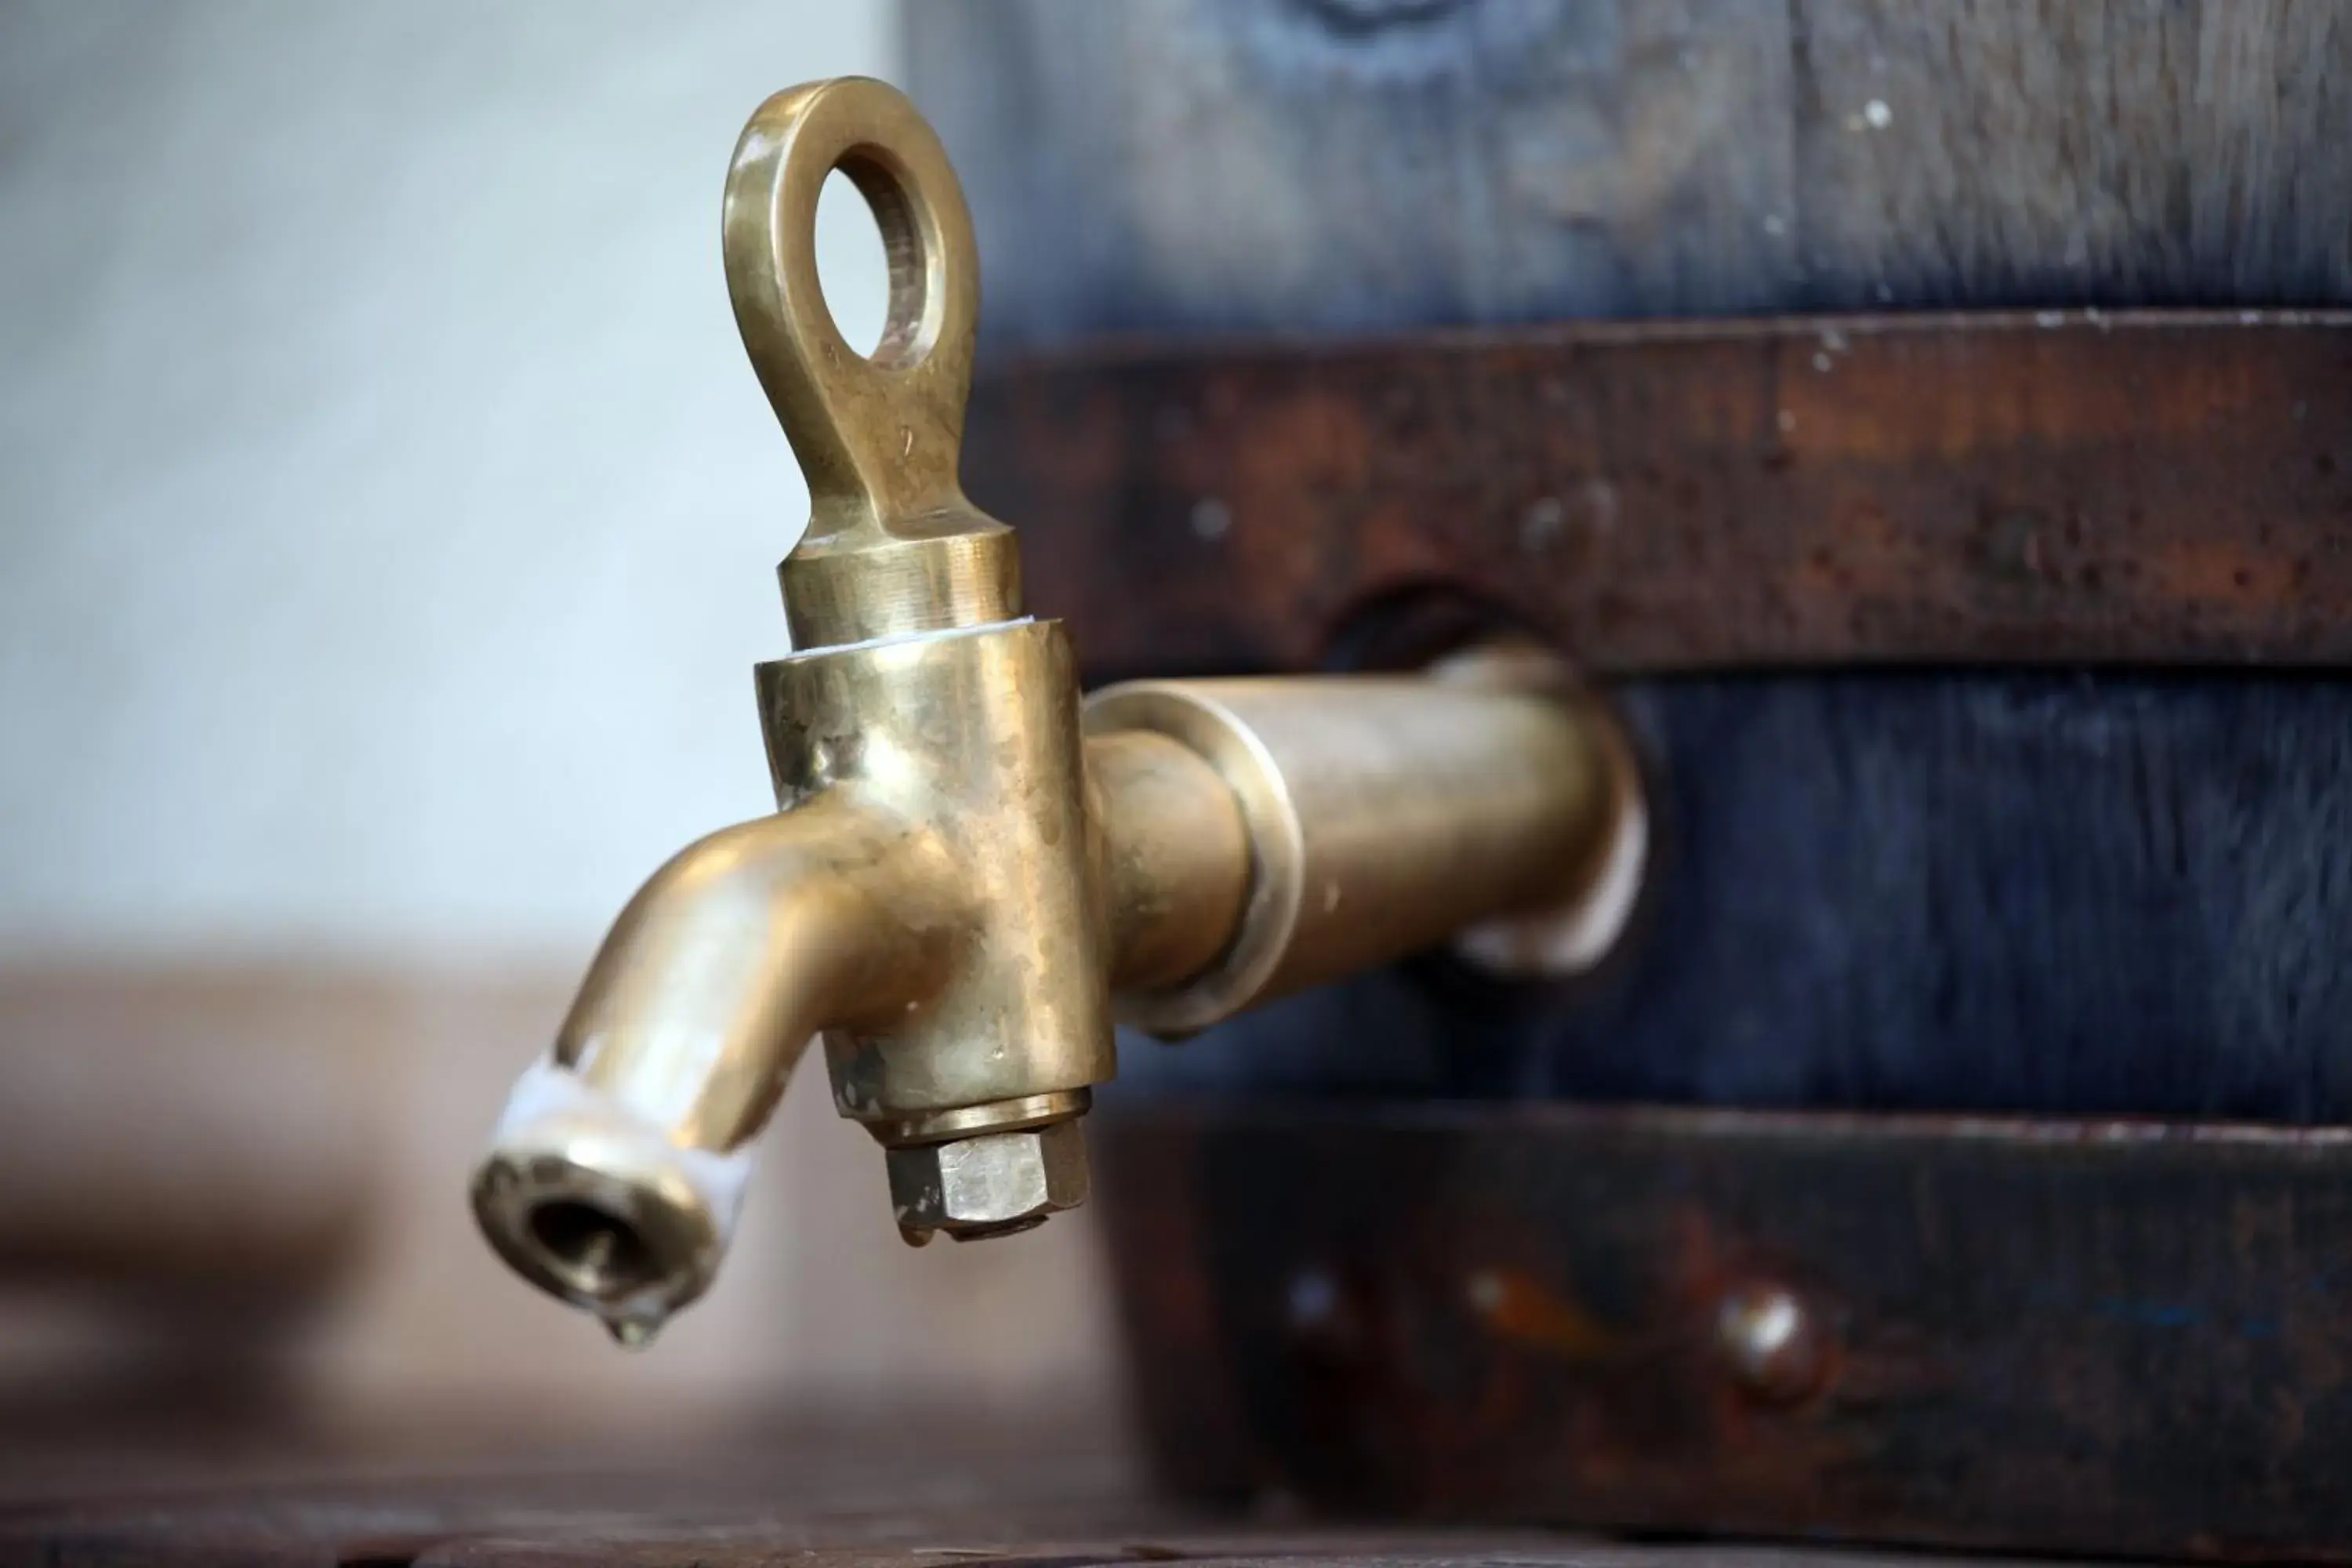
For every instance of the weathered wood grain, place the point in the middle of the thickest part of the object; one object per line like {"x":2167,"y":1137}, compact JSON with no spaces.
{"x":2055,"y":151}
{"x":1319,"y":166}
{"x":918,"y":1487}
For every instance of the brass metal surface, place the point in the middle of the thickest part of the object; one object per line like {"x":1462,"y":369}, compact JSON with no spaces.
{"x":1383,"y":814}
{"x":962,"y":871}
{"x":972,"y":738}
{"x":892,"y":545}
{"x":1176,"y":857}
{"x":1594,"y":894}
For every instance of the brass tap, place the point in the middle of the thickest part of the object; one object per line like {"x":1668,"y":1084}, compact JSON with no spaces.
{"x":970,"y":876}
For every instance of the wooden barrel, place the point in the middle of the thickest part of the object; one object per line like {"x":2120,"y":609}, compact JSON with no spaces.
{"x":2102,"y":876}
{"x":1933,"y":425}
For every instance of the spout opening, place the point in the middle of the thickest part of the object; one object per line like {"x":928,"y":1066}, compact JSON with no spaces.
{"x":598,"y":1208}
{"x":615,"y":1236}
{"x":596,"y":1252}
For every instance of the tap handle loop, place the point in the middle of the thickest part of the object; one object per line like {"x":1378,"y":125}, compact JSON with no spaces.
{"x":879,"y":437}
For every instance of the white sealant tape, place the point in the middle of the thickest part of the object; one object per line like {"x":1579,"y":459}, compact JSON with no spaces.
{"x":891,"y":640}
{"x":547,"y":1098}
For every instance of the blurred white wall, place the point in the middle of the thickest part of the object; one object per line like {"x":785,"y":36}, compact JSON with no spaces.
{"x":387,"y":510}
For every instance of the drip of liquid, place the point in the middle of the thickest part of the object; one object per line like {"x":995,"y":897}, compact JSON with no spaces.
{"x":634,"y":1333}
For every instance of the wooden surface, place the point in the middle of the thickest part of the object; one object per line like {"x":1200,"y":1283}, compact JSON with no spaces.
{"x":2012,"y":1336}
{"x":1318,"y":167}
{"x":931,"y":1489}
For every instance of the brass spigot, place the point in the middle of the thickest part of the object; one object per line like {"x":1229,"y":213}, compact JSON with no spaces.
{"x":969,"y":877}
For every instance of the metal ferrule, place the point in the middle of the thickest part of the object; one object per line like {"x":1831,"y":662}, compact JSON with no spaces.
{"x":1382,"y":816}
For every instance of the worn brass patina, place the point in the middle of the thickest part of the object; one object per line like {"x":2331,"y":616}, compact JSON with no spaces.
{"x":968,"y":877}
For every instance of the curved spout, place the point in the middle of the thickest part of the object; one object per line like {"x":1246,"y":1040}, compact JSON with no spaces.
{"x":744,"y":945}
{"x":614,"y":1177}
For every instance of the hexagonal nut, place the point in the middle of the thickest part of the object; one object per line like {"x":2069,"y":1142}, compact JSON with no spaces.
{"x":993,"y":1184}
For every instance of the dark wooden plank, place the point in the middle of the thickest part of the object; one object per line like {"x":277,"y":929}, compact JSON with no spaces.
{"x":1238,"y":1549}
{"x":1299,"y":167}
{"x":2087,"y":488}
{"x":421,"y":1486}
{"x":2020,"y":1336}
{"x":1352,"y":165}
{"x":936,"y":1489}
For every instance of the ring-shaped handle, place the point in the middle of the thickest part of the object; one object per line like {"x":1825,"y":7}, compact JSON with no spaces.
{"x":879,"y":437}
